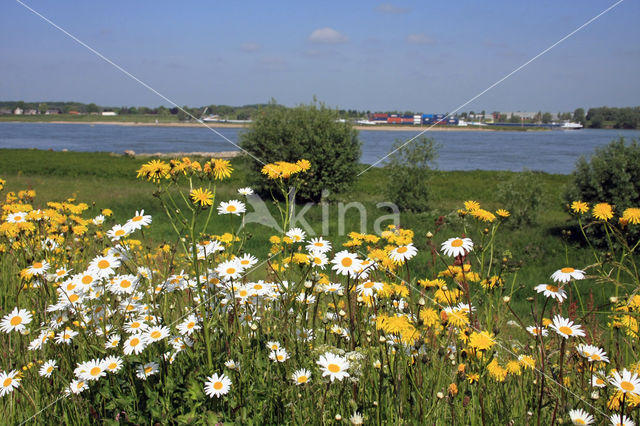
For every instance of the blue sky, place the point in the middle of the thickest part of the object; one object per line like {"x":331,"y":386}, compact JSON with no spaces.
{"x":422,"y":56}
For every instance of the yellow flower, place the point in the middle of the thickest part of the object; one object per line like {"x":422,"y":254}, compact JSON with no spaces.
{"x":632,"y":215}
{"x":155,"y":170}
{"x":496,"y":371}
{"x":202,"y":196}
{"x":452,"y":389}
{"x":602,"y":211}
{"x":527,"y":361}
{"x":473,"y":377}
{"x":429,"y":317}
{"x":579,"y":207}
{"x":221,"y":168}
{"x":503,"y":213}
{"x":481,"y":341}
{"x":514,"y":367}
{"x":471,"y":205}
{"x":107,"y":212}
{"x":274,"y":239}
{"x":483,"y":215}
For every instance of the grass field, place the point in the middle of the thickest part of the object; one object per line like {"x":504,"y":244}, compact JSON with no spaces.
{"x":433,"y":345}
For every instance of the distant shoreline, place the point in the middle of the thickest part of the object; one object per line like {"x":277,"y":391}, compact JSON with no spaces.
{"x":384,"y":128}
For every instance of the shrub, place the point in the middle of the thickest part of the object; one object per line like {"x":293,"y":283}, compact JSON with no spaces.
{"x":311,"y":132}
{"x":521,"y":195}
{"x":611,"y":175}
{"x":409,"y":170}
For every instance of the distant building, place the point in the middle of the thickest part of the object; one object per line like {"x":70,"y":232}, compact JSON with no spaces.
{"x":52,"y":112}
{"x":109,"y":113}
{"x":30,"y":112}
{"x":74,"y":112}
{"x":5,"y":111}
{"x":18,"y":111}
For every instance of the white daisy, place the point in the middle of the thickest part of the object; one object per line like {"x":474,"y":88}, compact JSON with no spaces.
{"x":189,"y":325}
{"x":135,"y":344}
{"x":617,"y":421}
{"x":230,"y":269}
{"x":537,"y":331}
{"x":565,"y":275}
{"x":113,"y":364}
{"x":15,"y":321}
{"x":38,"y":268}
{"x":273,"y":346}
{"x":117,"y":232}
{"x":279,"y":355}
{"x":138,"y":221}
{"x":318,"y":245}
{"x":592,"y":353}
{"x":245,"y":191}
{"x":144,"y":371}
{"x":300,"y":377}
{"x":217,"y":385}
{"x":92,"y":370}
{"x":580,"y":417}
{"x":551,"y":291}
{"x":77,"y":386}
{"x":369,"y":288}
{"x":247,"y":260}
{"x":403,"y":253}
{"x":333,"y":366}
{"x":123,"y":284}
{"x":47,"y":368}
{"x":455,"y":247}
{"x":98,"y":220}
{"x":66,"y":336}
{"x":296,"y":234}
{"x":565,"y":328}
{"x":346,"y":263}
{"x":626,"y":382}
{"x":232,"y":207}
{"x":17,"y":217}
{"x":157,"y":333}
{"x":104,"y":266}
{"x":318,"y":260}
{"x":8,"y":382}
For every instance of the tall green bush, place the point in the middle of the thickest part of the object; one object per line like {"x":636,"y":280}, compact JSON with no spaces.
{"x":312,"y":132}
{"x":409,"y":169}
{"x":521,"y":195}
{"x":611,"y":175}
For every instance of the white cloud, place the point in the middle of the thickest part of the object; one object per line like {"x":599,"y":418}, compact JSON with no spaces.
{"x":250,"y":47}
{"x":420,"y":39}
{"x":328,"y":35}
{"x":391,"y":9}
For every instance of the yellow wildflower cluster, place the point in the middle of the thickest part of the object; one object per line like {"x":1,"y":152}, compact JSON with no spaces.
{"x":284,"y":170}
{"x":157,"y":170}
{"x":399,"y":325}
{"x":473,"y":208}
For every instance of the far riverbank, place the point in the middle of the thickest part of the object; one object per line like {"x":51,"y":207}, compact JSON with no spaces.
{"x":382,"y":127}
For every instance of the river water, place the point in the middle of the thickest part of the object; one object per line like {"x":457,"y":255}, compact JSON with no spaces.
{"x":553,"y":151}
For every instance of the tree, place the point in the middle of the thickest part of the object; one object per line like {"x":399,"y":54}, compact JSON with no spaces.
{"x":91,"y":108}
{"x":546,"y":117}
{"x":578,"y":116}
{"x":409,"y":168}
{"x":306,"y":131}
{"x":42,"y":108}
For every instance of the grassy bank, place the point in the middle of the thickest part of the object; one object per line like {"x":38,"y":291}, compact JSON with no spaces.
{"x":108,"y":181}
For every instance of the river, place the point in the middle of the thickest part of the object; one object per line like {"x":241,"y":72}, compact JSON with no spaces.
{"x":553,"y":151}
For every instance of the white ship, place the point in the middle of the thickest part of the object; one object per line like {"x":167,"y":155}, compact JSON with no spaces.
{"x":567,"y":125}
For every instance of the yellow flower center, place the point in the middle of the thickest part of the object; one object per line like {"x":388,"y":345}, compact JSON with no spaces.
{"x":148,"y":370}
{"x":334,"y":368}
{"x":595,"y":357}
{"x":156,"y":334}
{"x":627,"y":386}
{"x":74,"y":298}
{"x":49,"y":369}
{"x":457,"y":242}
{"x":567,"y":270}
{"x":80,"y":385}
{"x":191,"y":325}
{"x":17,"y":320}
{"x":402,"y":250}
{"x":125,"y":283}
{"x":368,"y":284}
{"x":7,"y":382}
{"x":103,"y":264}
{"x":137,"y":219}
{"x":119,"y":232}
{"x":318,"y":244}
{"x":95,"y":371}
{"x":61,"y":272}
{"x":134,"y":341}
{"x":218,"y":385}
{"x":37,"y":265}
{"x":552,"y":288}
{"x":87,"y":279}
{"x":231,"y":208}
{"x":566,"y":330}
{"x":302,"y":379}
{"x":578,"y":422}
{"x":346,"y":262}
{"x":113,"y":366}
{"x":231,"y":271}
